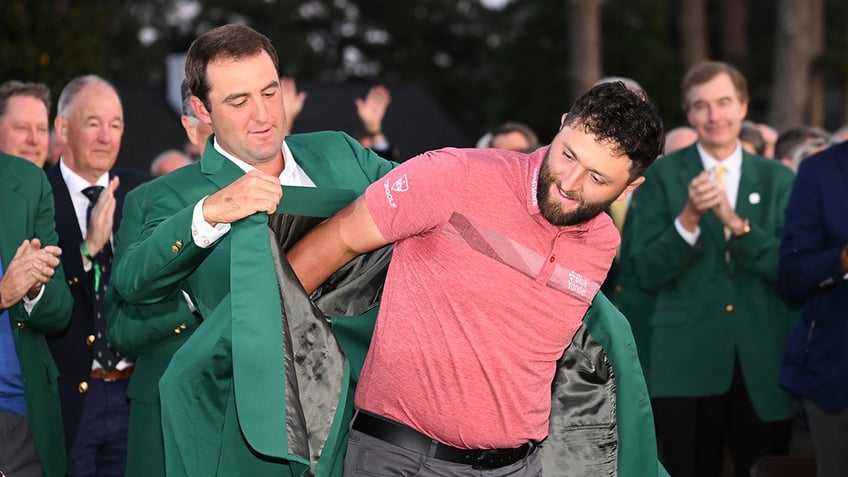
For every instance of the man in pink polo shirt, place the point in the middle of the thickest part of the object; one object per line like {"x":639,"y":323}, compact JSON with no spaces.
{"x":497,"y":257}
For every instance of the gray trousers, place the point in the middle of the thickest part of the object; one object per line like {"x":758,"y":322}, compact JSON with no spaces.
{"x":17,"y":452}
{"x":369,"y":457}
{"x":829,"y":433}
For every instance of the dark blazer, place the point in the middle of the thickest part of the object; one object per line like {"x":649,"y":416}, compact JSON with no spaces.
{"x":69,"y":347}
{"x":151,"y":333}
{"x":816,"y":361}
{"x":26,"y":212}
{"x":716,"y":300}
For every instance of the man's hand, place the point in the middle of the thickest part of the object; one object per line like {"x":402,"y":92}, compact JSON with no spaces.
{"x":101,"y":220}
{"x":372,"y":109}
{"x":704,"y":194}
{"x":30,"y":269}
{"x":292,"y":100}
{"x":250,"y":193}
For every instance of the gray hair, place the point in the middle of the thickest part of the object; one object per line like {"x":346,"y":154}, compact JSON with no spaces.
{"x":70,"y":91}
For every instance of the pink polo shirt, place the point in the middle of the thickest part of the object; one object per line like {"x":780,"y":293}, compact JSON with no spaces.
{"x":482,"y":297}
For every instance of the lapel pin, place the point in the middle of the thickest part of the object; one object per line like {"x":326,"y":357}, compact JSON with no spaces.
{"x":754,"y":198}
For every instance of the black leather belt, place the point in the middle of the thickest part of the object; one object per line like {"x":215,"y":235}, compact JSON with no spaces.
{"x":410,"y":439}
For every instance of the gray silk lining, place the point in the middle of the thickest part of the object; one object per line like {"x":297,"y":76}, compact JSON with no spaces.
{"x":582,"y":437}
{"x":314,"y":363}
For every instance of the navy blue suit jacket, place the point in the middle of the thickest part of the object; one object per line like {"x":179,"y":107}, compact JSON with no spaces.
{"x":815,"y":232}
{"x":69,"y":347}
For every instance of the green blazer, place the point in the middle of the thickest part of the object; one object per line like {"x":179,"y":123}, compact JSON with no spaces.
{"x":224,"y":397}
{"x":26,"y":213}
{"x":717,"y":299}
{"x":151,"y":333}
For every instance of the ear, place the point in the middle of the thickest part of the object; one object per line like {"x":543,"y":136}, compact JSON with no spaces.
{"x":190,"y":129}
{"x":562,"y":120}
{"x":200,"y":110}
{"x":631,"y":187}
{"x":60,"y":125}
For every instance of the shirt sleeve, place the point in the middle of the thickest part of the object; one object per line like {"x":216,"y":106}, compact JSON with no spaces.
{"x":419,"y":195}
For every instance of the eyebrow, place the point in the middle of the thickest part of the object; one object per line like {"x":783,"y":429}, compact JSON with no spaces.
{"x":235,"y":96}
{"x":604,"y":176}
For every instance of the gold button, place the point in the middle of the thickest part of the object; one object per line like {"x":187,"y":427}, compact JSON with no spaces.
{"x":179,"y":244}
{"x":90,"y":340}
{"x":83,"y":387}
{"x":183,"y":326}
{"x":174,"y":248}
{"x":177,"y":330}
{"x":729,"y":308}
{"x":73,"y":280}
{"x":21,"y":325}
{"x":618,"y":288}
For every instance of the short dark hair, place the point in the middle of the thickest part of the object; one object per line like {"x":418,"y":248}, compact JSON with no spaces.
{"x":621,"y":118}
{"x":707,"y":70}
{"x":788,"y":139}
{"x":520,"y":128}
{"x":21,"y":88}
{"x":230,"y":42}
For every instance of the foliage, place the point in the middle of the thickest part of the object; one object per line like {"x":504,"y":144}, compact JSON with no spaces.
{"x":484,"y":65}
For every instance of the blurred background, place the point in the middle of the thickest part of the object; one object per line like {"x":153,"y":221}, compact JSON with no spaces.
{"x":455,"y":68}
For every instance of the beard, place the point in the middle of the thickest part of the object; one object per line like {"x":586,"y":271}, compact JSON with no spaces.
{"x":551,"y":208}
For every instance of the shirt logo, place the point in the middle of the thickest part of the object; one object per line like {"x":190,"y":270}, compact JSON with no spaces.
{"x":401,"y":185}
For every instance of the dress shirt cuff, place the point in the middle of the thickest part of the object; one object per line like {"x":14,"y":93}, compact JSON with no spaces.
{"x":30,"y":304}
{"x":202,"y":232}
{"x":690,"y":237}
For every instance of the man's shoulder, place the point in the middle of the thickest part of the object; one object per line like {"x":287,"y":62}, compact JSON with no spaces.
{"x":21,"y":168}
{"x":319,"y":139}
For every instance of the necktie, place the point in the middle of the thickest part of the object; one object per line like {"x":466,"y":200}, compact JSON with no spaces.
{"x":102,"y":265}
{"x":720,"y":170}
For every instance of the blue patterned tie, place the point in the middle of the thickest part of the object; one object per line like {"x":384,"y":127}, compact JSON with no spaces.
{"x":104,"y":354}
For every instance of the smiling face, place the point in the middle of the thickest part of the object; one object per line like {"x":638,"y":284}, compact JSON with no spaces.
{"x":91,"y":130}
{"x":580,"y":177}
{"x":715,"y":110}
{"x":247,"y":114}
{"x":24,"y":129}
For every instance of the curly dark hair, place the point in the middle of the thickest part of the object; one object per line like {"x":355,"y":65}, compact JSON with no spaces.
{"x":229,"y":42}
{"x":617,"y":116}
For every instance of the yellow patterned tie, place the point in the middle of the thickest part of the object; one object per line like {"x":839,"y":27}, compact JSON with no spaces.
{"x":720,"y":170}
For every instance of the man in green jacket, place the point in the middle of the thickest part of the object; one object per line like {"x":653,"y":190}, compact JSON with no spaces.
{"x":707,"y":227}
{"x":228,"y":405}
{"x":34,"y":301}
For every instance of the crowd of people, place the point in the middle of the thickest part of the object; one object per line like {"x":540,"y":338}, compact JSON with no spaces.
{"x":626,"y":300}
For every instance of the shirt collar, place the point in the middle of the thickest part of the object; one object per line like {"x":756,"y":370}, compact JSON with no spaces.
{"x":732,"y":163}
{"x":77,"y":183}
{"x":288,"y":159}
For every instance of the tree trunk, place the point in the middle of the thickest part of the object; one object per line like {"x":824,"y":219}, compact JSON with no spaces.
{"x":734,"y":30}
{"x":584,"y":26}
{"x":693,"y":31}
{"x":799,"y":42}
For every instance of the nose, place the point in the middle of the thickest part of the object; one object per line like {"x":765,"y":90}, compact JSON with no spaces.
{"x":571,"y":180}
{"x":260,"y":110}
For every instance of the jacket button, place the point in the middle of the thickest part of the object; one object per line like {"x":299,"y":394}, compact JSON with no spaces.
{"x":729,"y":308}
{"x":90,"y":340}
{"x":177,"y":330}
{"x":175,"y":249}
{"x":83,"y":387}
{"x":21,"y":325}
{"x":183,"y":326}
{"x":179,"y":244}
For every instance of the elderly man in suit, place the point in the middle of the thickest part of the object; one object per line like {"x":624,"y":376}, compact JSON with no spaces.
{"x":707,"y":226}
{"x":88,"y":194}
{"x":228,"y":405}
{"x":34,"y":301}
{"x":814,"y":271}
